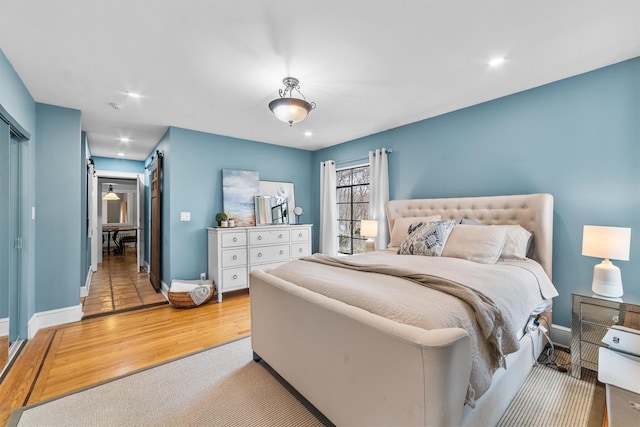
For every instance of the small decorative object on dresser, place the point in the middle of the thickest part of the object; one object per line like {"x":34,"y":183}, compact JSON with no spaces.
{"x":220,"y":218}
{"x":591,"y":316}
{"x":235,"y":252}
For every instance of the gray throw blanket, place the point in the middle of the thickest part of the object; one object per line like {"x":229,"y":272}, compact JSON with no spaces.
{"x":487,"y":314}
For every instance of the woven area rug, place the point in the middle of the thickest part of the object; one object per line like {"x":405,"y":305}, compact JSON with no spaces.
{"x":223,"y":386}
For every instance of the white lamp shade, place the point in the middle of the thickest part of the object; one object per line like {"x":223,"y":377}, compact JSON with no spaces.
{"x":368,"y":228}
{"x":606,"y":242}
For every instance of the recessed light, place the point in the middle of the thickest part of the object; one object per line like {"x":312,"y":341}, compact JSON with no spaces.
{"x":134,"y":95}
{"x":124,"y":139}
{"x":496,"y":61}
{"x":121,"y":154}
{"x":308,"y":133}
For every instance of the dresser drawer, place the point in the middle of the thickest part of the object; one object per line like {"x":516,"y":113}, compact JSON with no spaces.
{"x":230,"y":240}
{"x":234,"y":257}
{"x":300,"y":235}
{"x":300,"y":250}
{"x":601,"y":315}
{"x":268,"y":237}
{"x":589,"y":353}
{"x":267,"y":254}
{"x":234,"y":278}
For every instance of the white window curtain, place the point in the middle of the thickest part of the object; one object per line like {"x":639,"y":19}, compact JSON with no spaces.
{"x":328,"y":207}
{"x":379,"y":194}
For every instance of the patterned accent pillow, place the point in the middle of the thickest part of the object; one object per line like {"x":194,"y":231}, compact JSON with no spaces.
{"x":426,"y":238}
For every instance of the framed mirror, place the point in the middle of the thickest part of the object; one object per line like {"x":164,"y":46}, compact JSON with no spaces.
{"x":271,"y":210}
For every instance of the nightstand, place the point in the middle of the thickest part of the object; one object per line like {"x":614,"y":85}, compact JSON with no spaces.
{"x":591,"y":316}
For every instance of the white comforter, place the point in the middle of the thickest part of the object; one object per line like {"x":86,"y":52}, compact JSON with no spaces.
{"x":515,"y":287}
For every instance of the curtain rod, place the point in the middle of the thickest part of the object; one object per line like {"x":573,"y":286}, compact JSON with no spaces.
{"x":357,"y":159}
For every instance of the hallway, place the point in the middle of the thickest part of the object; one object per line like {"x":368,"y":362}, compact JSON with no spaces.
{"x":117,"y":286}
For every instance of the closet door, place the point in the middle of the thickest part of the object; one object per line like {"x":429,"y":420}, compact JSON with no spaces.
{"x":5,"y":241}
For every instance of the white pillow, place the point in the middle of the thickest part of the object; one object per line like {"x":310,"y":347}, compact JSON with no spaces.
{"x":516,"y":244}
{"x":477,"y":243}
{"x":401,"y":227}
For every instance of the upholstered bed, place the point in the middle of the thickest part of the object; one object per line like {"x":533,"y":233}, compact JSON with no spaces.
{"x":354,"y":336}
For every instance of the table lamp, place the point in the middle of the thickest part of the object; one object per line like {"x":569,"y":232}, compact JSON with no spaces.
{"x":369,"y":229}
{"x":608,"y":243}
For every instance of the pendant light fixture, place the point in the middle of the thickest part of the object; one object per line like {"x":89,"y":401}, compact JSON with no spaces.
{"x":287,"y":108}
{"x":110,"y":194}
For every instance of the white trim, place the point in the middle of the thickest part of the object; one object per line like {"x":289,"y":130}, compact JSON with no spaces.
{"x":561,"y":336}
{"x":4,"y":327}
{"x":84,"y":290}
{"x":55,"y":317}
{"x":146,"y":267}
{"x":164,"y":288}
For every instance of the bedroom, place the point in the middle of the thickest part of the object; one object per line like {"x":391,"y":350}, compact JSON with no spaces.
{"x":576,"y":138}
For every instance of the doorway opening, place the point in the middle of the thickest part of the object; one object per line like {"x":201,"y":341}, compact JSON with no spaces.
{"x":119,"y":279}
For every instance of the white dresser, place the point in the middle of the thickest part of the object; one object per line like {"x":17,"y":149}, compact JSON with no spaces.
{"x":234,"y":252}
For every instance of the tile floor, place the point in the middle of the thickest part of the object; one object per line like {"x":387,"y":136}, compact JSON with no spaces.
{"x":117,"y":285}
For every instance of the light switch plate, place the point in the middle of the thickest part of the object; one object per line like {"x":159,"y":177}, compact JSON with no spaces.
{"x":185,"y":216}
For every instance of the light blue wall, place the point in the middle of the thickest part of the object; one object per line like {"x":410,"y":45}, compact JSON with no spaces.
{"x":193,"y":183}
{"x":18,"y":102}
{"x":59,"y":162}
{"x":578,"y":139}
{"x":118,"y":165}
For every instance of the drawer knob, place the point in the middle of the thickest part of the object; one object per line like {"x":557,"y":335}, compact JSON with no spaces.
{"x":280,"y":236}
{"x":299,"y":234}
{"x":299,"y":249}
{"x":235,"y":276}
{"x":615,"y":318}
{"x":616,"y":340}
{"x":235,"y":257}
{"x":259,"y":237}
{"x":259,"y":254}
{"x":281,"y":251}
{"x":235,"y":239}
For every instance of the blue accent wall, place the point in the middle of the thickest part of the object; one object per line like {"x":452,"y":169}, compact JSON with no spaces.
{"x":578,"y":139}
{"x":193,"y":163}
{"x":59,"y":163}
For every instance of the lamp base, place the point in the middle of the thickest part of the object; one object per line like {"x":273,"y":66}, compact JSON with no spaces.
{"x":607,"y":280}
{"x":370,"y":245}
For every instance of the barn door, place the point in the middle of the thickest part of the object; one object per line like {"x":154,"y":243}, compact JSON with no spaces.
{"x":155,"y":274}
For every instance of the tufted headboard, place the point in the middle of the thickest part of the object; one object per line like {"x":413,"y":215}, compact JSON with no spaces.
{"x":532,"y":211}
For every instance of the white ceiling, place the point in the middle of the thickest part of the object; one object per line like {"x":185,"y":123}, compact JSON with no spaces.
{"x":369,"y":65}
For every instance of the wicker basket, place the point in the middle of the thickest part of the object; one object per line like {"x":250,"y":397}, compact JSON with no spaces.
{"x":183,"y":296}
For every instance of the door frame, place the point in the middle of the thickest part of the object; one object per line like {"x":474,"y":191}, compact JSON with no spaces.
{"x":96,"y":229}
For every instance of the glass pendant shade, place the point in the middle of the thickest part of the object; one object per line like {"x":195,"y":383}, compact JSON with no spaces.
{"x":288,"y":109}
{"x":110,"y":195}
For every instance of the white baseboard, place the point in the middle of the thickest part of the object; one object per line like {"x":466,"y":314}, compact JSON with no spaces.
{"x":164,"y":288}
{"x":56,"y":317}
{"x":561,"y":336}
{"x":4,"y":327}
{"x":146,"y":266}
{"x":84,"y":290}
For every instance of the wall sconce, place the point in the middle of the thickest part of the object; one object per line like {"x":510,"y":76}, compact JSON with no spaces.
{"x":369,"y":229}
{"x":608,"y":243}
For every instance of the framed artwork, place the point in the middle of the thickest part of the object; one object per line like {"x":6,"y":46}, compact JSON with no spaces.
{"x":239,"y":188}
{"x":281,"y":189}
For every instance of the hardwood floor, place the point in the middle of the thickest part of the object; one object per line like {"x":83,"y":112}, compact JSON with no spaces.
{"x":118,"y":285}
{"x":65,"y":358}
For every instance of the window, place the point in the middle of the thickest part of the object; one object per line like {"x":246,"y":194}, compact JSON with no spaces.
{"x":352,"y":187}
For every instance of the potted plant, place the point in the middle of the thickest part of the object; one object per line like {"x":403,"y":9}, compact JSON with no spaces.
{"x":221,"y":217}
